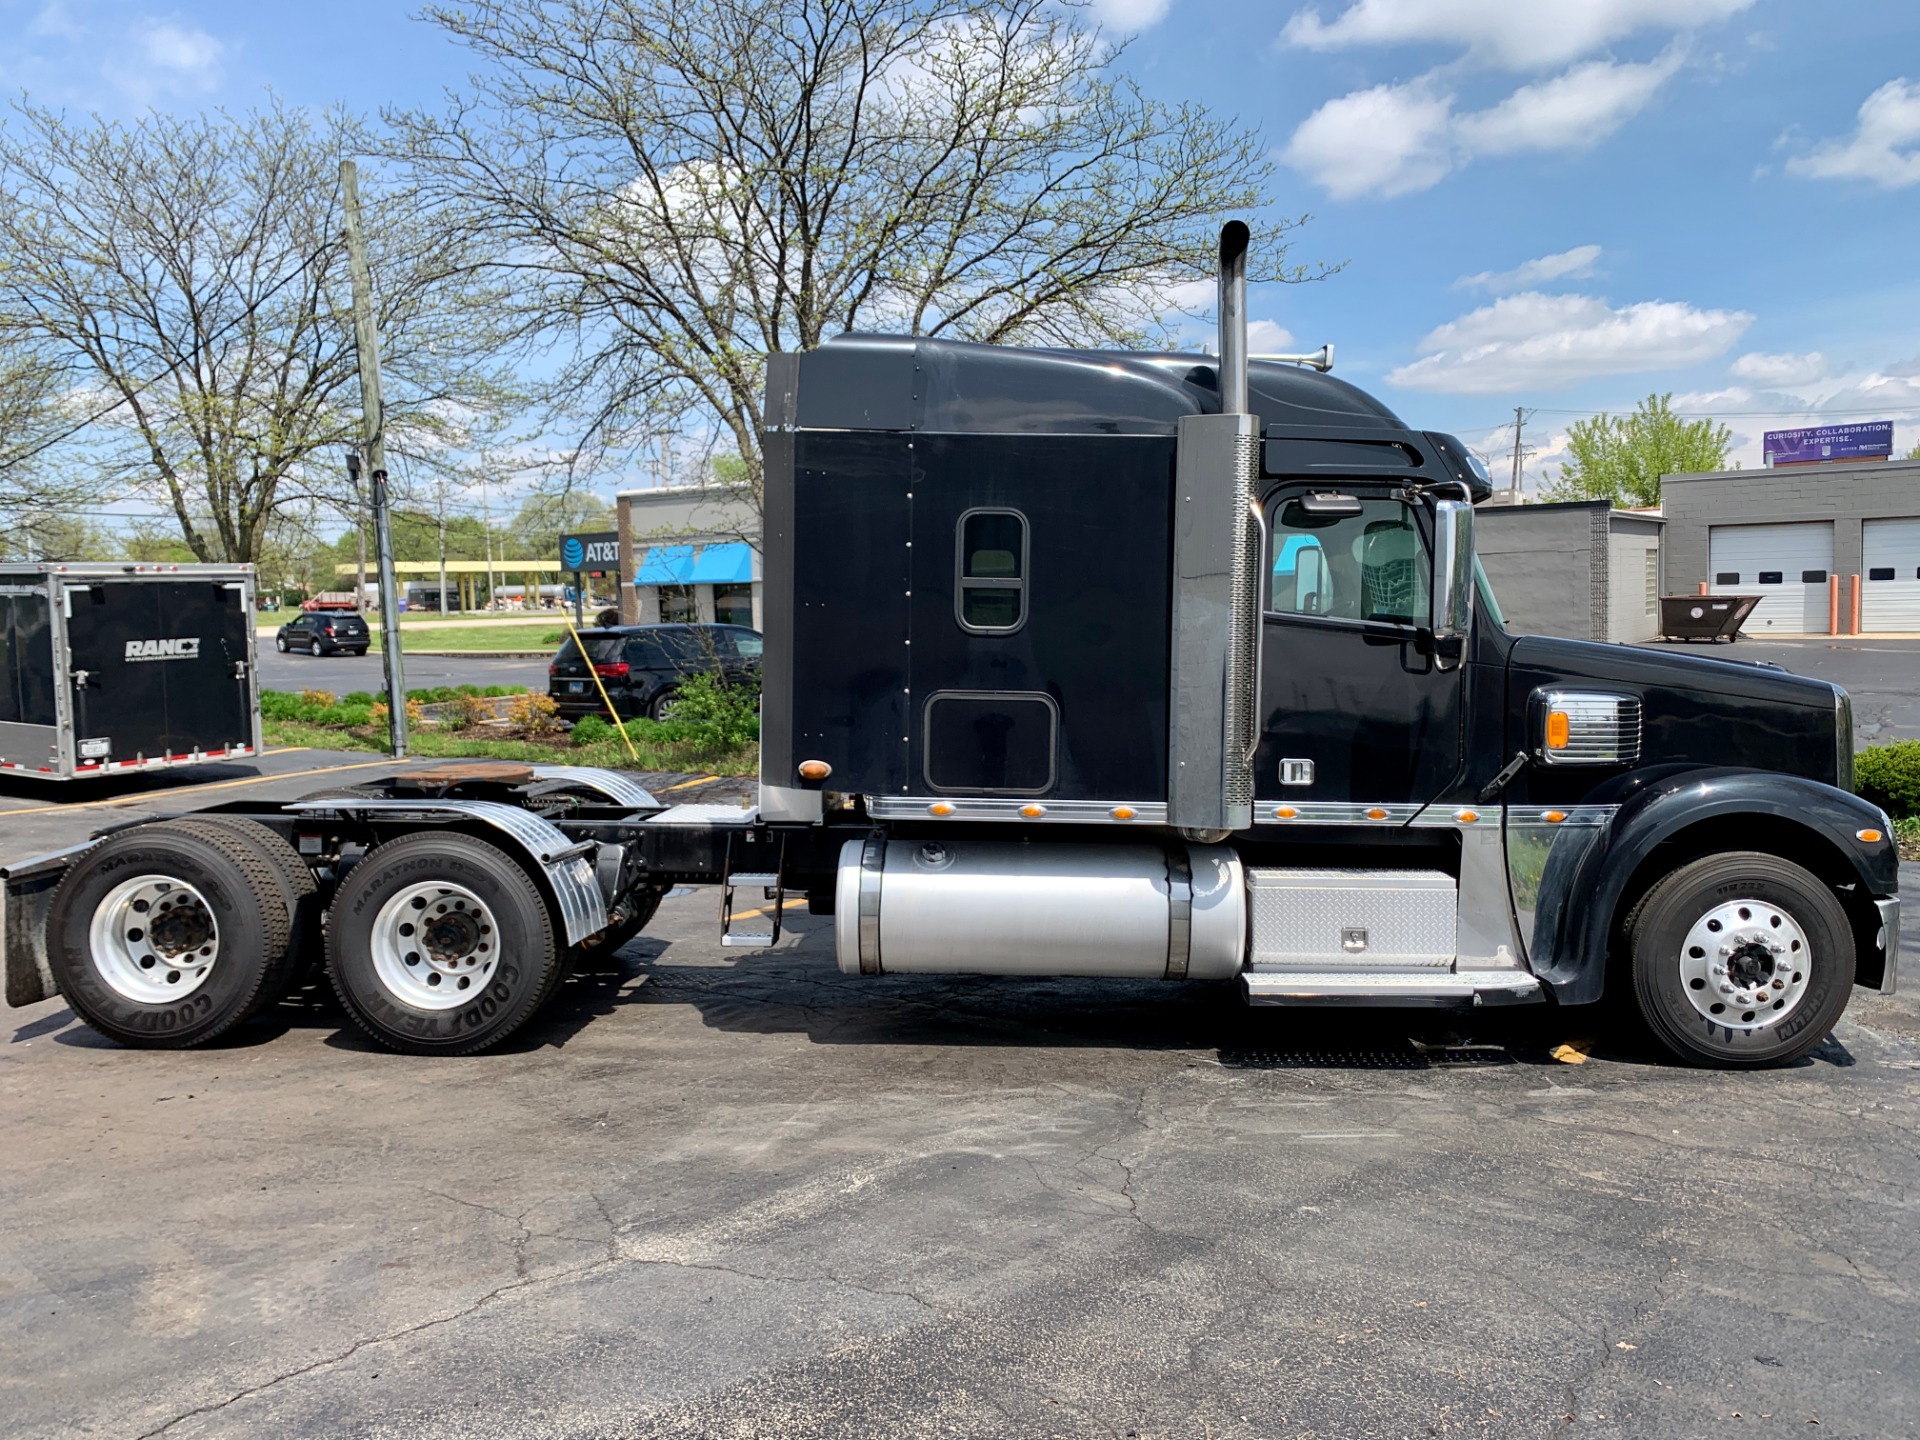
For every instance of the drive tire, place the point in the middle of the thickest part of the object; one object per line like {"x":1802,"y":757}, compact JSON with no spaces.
{"x":512,"y":985}
{"x":303,"y":957}
{"x":1814,"y":970}
{"x":239,"y":890}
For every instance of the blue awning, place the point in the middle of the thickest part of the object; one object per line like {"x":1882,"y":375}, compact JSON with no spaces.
{"x":728,"y":564}
{"x":666,"y":565}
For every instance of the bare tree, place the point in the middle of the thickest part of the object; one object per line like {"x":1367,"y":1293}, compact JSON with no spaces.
{"x":684,"y":186}
{"x":191,"y":274}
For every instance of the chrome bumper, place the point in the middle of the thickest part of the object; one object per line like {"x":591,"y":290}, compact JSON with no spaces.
{"x":1890,"y":939}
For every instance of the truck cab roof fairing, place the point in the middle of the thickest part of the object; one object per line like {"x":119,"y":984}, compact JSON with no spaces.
{"x":909,"y":383}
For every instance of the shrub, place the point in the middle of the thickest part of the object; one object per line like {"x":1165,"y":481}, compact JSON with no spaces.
{"x":534,"y":715}
{"x":379,"y":714}
{"x":496,"y":692}
{"x":592,"y":730}
{"x":323,"y":698}
{"x":1889,"y":776}
{"x":715,"y":717}
{"x":464,"y":711}
{"x":360,"y":697}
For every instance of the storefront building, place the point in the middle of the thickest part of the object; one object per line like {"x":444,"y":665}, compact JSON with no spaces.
{"x":689,"y":553}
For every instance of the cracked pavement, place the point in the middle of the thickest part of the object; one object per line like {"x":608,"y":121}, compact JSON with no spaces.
{"x":727,"y":1195}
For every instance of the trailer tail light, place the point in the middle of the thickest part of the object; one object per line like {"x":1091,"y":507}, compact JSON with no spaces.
{"x":616,"y":670}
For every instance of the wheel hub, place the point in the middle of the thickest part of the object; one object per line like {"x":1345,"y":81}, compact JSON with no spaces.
{"x":154,"y":939}
{"x":1746,"y":965}
{"x":435,"y":945}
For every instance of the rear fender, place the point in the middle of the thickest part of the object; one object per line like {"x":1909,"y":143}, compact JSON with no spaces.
{"x":1666,"y":822}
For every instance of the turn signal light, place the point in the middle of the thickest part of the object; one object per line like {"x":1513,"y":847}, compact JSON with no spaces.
{"x":815,"y":769}
{"x":617,"y":670}
{"x":1559,"y":730}
{"x":1871,"y":837}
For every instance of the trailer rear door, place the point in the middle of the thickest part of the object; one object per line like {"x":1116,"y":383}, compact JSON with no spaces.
{"x":159,"y":667}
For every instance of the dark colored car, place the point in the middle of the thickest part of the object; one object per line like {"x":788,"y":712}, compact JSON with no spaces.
{"x":324,"y":632}
{"x":642,"y":666}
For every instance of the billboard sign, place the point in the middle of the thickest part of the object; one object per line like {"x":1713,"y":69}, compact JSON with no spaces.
{"x":1870,"y":440}
{"x":596,"y":552}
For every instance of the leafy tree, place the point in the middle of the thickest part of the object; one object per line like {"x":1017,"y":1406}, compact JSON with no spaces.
{"x":1914,"y":453}
{"x":1622,"y":457}
{"x":190,"y":273}
{"x":684,"y":186}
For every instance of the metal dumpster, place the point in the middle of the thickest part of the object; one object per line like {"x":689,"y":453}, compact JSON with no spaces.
{"x":1704,"y":617}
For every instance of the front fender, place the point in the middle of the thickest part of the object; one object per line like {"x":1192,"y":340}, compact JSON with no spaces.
{"x":1583,"y":885}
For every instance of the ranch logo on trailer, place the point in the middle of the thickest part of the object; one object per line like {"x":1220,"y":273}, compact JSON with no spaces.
{"x":184,"y":649}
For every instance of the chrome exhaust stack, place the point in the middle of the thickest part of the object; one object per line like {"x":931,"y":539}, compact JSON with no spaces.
{"x":1214,"y":679}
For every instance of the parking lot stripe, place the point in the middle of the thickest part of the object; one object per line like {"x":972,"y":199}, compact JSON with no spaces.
{"x":150,"y":795}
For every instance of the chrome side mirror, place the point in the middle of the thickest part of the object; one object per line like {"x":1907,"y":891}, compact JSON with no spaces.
{"x":1452,"y":613}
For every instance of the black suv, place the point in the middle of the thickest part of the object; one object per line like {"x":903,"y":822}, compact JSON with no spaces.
{"x":324,"y":632}
{"x":642,"y":666}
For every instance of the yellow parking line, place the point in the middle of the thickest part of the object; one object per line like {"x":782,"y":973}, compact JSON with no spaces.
{"x":689,"y":784}
{"x":150,"y":796}
{"x":784,"y":904}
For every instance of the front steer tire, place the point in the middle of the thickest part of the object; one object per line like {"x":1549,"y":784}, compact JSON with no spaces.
{"x":232,"y":908}
{"x":439,"y":944}
{"x":1740,"y":961}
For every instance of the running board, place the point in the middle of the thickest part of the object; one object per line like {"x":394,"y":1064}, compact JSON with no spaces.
{"x":1446,"y":987}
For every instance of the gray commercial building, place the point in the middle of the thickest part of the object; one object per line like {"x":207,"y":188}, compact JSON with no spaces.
{"x":1798,"y":536}
{"x":689,"y":552}
{"x":1577,"y":568}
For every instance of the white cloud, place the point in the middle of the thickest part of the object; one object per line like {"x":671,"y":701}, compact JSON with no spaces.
{"x":155,"y":57}
{"x":1573,"y":111}
{"x":1130,"y":14}
{"x":1532,"y":341}
{"x":1884,"y":147}
{"x":1515,"y":34}
{"x":1574,"y":264}
{"x":1390,"y":140}
{"x":1776,"y":370}
{"x":1265,"y":337}
{"x":1396,"y":139}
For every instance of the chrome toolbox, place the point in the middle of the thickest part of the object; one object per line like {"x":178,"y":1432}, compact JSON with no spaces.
{"x":1359,"y":919}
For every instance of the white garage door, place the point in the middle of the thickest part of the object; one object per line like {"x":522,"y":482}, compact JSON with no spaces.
{"x":1890,"y":575}
{"x":1786,"y":565}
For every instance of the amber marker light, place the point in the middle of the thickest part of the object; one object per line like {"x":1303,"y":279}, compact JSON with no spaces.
{"x":1033,"y":812}
{"x":1467,"y":817}
{"x":940,"y":807}
{"x":1285,"y":812}
{"x":1122,"y":812}
{"x":1376,"y":813}
{"x":1871,"y":837}
{"x":1554,"y":817}
{"x":815,"y":769}
{"x":1558,"y":729}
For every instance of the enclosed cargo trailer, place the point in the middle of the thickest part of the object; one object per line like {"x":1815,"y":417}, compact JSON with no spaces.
{"x":118,"y":668}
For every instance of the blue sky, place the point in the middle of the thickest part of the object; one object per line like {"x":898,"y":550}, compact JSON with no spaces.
{"x":1555,"y":204}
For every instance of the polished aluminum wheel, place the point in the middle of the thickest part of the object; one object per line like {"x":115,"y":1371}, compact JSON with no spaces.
{"x":1746,"y":964}
{"x":153,"y":939}
{"x":435,"y":945}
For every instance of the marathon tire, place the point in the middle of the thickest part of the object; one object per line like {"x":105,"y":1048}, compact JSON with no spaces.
{"x":502,"y":941}
{"x":1740,"y":961}
{"x":119,"y":989}
{"x":303,"y":958}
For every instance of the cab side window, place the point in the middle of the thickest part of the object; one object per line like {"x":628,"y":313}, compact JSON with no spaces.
{"x":990,"y":586}
{"x":1373,"y":566}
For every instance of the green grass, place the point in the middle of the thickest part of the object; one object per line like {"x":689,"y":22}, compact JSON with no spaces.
{"x":609,"y":754}
{"x":542,"y":636}
{"x":1907,"y":832}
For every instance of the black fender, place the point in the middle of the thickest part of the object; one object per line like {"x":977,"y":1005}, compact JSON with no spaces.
{"x":1584,"y":884}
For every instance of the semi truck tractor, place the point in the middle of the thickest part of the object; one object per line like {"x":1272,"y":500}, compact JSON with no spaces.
{"x":1098,"y":664}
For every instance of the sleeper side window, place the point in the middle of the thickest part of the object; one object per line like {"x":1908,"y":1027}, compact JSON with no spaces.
{"x":1371,"y":566}
{"x":990,"y":590}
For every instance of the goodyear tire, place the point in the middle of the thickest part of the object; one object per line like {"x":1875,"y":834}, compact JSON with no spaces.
{"x":439,"y":944}
{"x":302,"y":959}
{"x":1740,"y":960}
{"x":168,"y":935}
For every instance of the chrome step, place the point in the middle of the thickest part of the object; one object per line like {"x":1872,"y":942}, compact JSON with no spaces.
{"x":748,"y":879}
{"x":746,"y":940}
{"x":1332,"y":987}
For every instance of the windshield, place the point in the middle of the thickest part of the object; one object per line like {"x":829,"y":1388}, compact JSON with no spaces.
{"x":1488,"y":605}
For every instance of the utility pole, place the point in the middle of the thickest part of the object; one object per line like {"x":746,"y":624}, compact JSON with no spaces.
{"x":442,"y":517}
{"x":1519,"y":423}
{"x":373,"y":424}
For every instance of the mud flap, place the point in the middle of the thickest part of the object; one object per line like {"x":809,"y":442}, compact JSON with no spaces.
{"x":23,"y":925}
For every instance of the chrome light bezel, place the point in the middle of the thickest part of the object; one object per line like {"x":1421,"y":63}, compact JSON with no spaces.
{"x":1604,"y":727}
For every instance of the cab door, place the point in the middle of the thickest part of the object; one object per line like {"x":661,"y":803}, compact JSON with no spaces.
{"x":1349,"y":681}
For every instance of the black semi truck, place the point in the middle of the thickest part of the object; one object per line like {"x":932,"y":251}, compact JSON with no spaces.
{"x":1096,"y":664}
